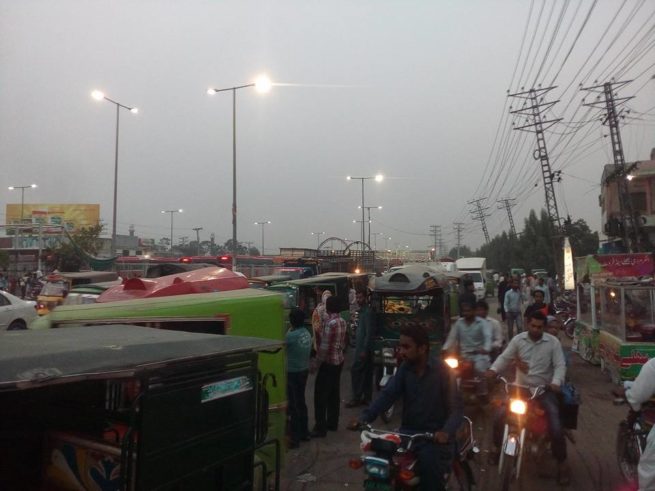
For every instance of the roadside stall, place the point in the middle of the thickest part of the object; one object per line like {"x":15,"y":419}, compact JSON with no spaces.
{"x":119,"y":407}
{"x":616,"y":304}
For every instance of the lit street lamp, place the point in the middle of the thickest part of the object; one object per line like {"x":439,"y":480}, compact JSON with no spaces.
{"x":263,"y":84}
{"x":99,"y":96}
{"x":172,"y":212}
{"x":263,"y":223}
{"x":318,"y":238}
{"x":368,"y":211}
{"x":378,"y":178}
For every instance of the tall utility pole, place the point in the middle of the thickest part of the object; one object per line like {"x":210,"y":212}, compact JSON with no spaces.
{"x":197,"y":231}
{"x":535,"y":110}
{"x":478,"y":214}
{"x":458,"y":234}
{"x":435,"y":232}
{"x":629,"y":219}
{"x":507,"y":204}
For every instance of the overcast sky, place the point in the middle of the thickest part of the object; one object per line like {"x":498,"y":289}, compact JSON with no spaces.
{"x":411,"y":89}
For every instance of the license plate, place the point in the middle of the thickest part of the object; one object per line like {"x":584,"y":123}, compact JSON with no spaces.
{"x":377,"y":485}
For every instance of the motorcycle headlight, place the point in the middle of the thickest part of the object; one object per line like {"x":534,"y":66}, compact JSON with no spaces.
{"x":517,"y":406}
{"x":376,"y":467}
{"x":452,"y":362}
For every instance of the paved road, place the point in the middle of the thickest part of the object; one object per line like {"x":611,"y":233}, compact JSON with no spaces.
{"x":322,"y":464}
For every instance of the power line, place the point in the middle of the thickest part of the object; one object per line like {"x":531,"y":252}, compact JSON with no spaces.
{"x":478,"y":214}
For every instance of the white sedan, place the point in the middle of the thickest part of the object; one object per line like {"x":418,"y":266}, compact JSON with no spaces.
{"x":15,"y":313}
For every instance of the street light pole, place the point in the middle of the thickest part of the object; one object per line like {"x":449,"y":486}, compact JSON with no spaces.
{"x":22,"y":207}
{"x":197,"y":231}
{"x":263,"y":223}
{"x":262,"y":84}
{"x":99,"y":96}
{"x":378,"y":178}
{"x":172,"y":212}
{"x":318,"y":238}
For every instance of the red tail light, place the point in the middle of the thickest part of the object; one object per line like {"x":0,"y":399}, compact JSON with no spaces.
{"x":355,"y":463}
{"x":406,"y":475}
{"x":224,"y":258}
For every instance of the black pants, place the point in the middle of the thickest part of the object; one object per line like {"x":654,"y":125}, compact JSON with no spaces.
{"x":433,"y":463}
{"x":362,"y":378}
{"x":298,"y":424}
{"x":327,"y":397}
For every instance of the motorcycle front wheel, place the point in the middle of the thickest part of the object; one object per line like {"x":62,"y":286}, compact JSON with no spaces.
{"x":627,"y":452}
{"x":569,"y":329}
{"x":507,"y":472}
{"x":461,"y":477}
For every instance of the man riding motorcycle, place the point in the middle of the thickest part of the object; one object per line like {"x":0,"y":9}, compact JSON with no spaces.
{"x":471,"y":338}
{"x":539,"y":361}
{"x":431,"y":403}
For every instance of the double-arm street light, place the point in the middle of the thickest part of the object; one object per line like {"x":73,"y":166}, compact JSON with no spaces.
{"x":99,"y":96}
{"x":172,"y":212}
{"x":263,"y":84}
{"x":22,"y":196}
{"x":377,"y":178}
{"x":318,"y":238}
{"x":263,"y":223}
{"x":368,"y":211}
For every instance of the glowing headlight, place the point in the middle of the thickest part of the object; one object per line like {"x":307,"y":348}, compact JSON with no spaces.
{"x":517,"y":406}
{"x":452,"y":362}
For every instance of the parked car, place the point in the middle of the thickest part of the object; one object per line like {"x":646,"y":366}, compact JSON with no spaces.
{"x":15,"y":313}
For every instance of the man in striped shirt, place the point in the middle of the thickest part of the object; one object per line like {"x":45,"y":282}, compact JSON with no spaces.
{"x":329,"y":357}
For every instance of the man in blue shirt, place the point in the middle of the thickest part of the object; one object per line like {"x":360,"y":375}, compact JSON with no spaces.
{"x":513,"y":305}
{"x":299,"y":343}
{"x":431,"y":403}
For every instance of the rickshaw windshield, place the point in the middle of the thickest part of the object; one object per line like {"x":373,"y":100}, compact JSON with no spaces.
{"x":411,"y":304}
{"x":54,"y":288}
{"x":394,"y":310}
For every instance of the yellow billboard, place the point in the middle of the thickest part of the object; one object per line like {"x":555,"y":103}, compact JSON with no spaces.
{"x":52,"y":217}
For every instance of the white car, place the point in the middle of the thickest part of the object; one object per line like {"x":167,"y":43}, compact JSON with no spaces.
{"x":15,"y":313}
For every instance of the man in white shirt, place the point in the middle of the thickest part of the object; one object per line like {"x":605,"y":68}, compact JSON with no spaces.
{"x":498,"y":333}
{"x":539,"y":361}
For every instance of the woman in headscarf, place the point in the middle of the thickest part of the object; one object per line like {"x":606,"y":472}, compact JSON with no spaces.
{"x":319,"y":317}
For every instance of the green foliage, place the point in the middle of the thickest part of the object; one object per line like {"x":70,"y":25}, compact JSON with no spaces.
{"x":534,"y":248}
{"x":66,"y":258}
{"x":4,"y":259}
{"x":464,"y":251}
{"x":227,"y":248}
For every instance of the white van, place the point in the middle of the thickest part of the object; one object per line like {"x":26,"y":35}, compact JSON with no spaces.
{"x":476,"y":269}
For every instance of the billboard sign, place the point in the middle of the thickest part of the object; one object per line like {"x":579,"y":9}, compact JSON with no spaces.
{"x":52,"y":217}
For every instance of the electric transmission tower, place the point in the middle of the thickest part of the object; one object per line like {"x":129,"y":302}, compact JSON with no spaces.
{"x":630,"y":221}
{"x":535,"y":110}
{"x":478,"y":214}
{"x":507,"y":204}
{"x":458,"y":234}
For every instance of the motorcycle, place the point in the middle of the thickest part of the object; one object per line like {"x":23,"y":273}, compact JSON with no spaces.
{"x":389,"y":462}
{"x":388,"y":359}
{"x":467,"y":380}
{"x":631,"y":438}
{"x":567,"y":315}
{"x":526,"y":430}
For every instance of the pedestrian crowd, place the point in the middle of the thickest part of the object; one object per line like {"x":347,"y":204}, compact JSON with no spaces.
{"x":23,"y":285}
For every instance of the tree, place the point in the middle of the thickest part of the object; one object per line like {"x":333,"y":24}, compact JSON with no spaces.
{"x":253,"y":251}
{"x":464,"y":251}
{"x":67,"y":257}
{"x":583,"y":240}
{"x":227,"y":248}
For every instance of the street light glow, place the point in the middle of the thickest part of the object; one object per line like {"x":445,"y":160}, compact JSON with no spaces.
{"x":134,"y":110}
{"x":98,"y":95}
{"x":379,"y":178}
{"x":630,"y":177}
{"x":211,"y":91}
{"x":349,"y":178}
{"x":263,"y":84}
{"x":11,"y":188}
{"x":33,"y":186}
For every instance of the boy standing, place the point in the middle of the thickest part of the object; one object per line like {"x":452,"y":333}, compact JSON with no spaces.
{"x":299,"y":343}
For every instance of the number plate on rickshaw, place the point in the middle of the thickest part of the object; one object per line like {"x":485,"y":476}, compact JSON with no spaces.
{"x":225,"y":388}
{"x":377,"y":485}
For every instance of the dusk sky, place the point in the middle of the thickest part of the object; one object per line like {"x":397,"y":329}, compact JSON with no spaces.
{"x":414,"y":90}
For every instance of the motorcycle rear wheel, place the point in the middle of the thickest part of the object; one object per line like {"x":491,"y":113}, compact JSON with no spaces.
{"x":507,"y":472}
{"x":627,"y":453}
{"x":461,"y":477}
{"x":569,"y":329}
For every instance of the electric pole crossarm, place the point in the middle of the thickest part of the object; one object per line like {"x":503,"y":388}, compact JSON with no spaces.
{"x":545,"y":105}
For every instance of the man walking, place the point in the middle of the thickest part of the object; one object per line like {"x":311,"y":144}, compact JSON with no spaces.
{"x":299,"y":344}
{"x":513,"y":305}
{"x":329,"y":357}
{"x":362,"y":369}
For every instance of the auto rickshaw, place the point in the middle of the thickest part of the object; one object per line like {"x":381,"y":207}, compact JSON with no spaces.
{"x":121,"y":407}
{"x":58,"y":285}
{"x":412,"y":294}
